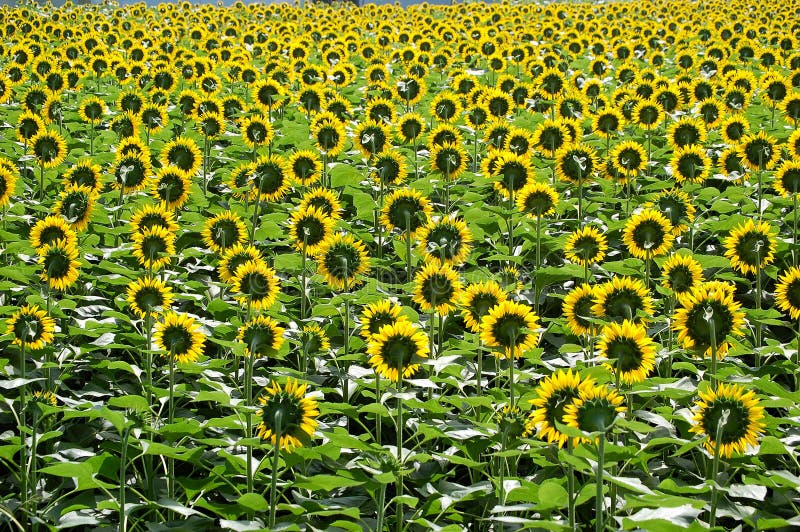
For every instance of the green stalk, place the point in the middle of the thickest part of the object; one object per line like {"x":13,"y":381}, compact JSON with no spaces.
{"x":205,"y":163}
{"x":171,"y":417}
{"x":511,"y":378}
{"x":248,"y":392}
{"x":303,"y":259}
{"x":570,"y":489}
{"x":794,"y":235}
{"x":123,"y":464}
{"x":601,"y":452}
{"x":381,"y":507}
{"x":378,"y":227}
{"x":41,"y":179}
{"x":399,"y":482}
{"x":758,"y":304}
{"x":479,"y":374}
{"x":148,"y":391}
{"x":378,"y":417}
{"x":273,"y":484}
{"x":256,"y":208}
{"x":712,"y":328}
{"x":538,"y":263}
{"x":715,"y":468}
{"x":408,"y":247}
{"x":23,"y":444}
{"x":580,"y":197}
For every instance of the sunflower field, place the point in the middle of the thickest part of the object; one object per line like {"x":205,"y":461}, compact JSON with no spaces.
{"x":508,"y":266}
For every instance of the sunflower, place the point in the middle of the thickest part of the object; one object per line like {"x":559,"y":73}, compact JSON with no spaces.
{"x":537,"y":200}
{"x":371,"y":138}
{"x":511,"y":326}
{"x":406,"y":209}
{"x":550,"y":136}
{"x":314,"y":340}
{"x":153,"y":117}
{"x":75,"y":205}
{"x":759,"y":151}
{"x":49,"y":148}
{"x":50,"y":230}
{"x":575,"y":163}
{"x":518,"y":141}
{"x":377,"y":314}
{"x":261,"y":336}
{"x":153,"y":247}
{"x":328,"y":133}
{"x":409,"y":90}
{"x":690,"y":164}
{"x":750,"y":246}
{"x":59,"y":262}
{"x":85,"y":173}
{"x":389,"y":168}
{"x":91,"y":109}
{"x":155,"y":214}
{"x":676,"y":206}
{"x":577,"y":310}
{"x":308,"y":228}
{"x":730,"y":418}
{"x":342,"y":260}
{"x":553,"y":394}
{"x":8,"y":184}
{"x":179,"y":337}
{"x":586,"y":246}
{"x":132,"y":171}
{"x":629,"y":351}
{"x":476,"y":301}
{"x":324,"y":200}
{"x":793,"y":143}
{"x":437,"y":288}
{"x":256,"y":131}
{"x":647,"y":113}
{"x":628,"y":158}
{"x":183,"y":153}
{"x":149,"y":295}
{"x":28,"y":126}
{"x":623,"y":298}
{"x":45,"y":397}
{"x":396,"y":349}
{"x":787,"y":292}
{"x":447,"y":240}
{"x":305,"y":167}
{"x":448,"y":159}
{"x":267,"y":94}
{"x":734,"y":128}
{"x":648,"y":234}
{"x":235,"y":256}
{"x":288,"y":417}
{"x":512,"y":172}
{"x":594,"y":410}
{"x":171,"y":187}
{"x":410,"y":127}
{"x":223,"y":231}
{"x":607,"y":122}
{"x":31,"y":328}
{"x":681,"y":273}
{"x":787,"y":179}
{"x":706,"y":303}
{"x":257,"y":283}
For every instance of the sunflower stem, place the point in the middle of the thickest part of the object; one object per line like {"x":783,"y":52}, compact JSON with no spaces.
{"x":273,"y":481}
{"x":148,"y":323}
{"x":248,"y":392}
{"x":712,"y":332}
{"x":41,"y":180}
{"x":170,"y":418}
{"x":256,"y":208}
{"x":538,"y":263}
{"x":758,"y":305}
{"x":408,"y":247}
{"x":712,"y":520}
{"x":511,"y":378}
{"x":399,"y":482}
{"x":570,"y":489}
{"x":23,"y":444}
{"x":431,"y":330}
{"x":378,"y":226}
{"x":760,"y":181}
{"x":381,"y":507}
{"x":601,"y":452}
{"x":303,"y":302}
{"x":123,"y":474}
{"x":479,"y":372}
{"x":796,"y":251}
{"x":378,"y":417}
{"x":580,"y":198}
{"x":205,"y":164}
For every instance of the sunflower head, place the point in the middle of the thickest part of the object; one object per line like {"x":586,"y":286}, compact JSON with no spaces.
{"x":389,"y":168}
{"x":59,"y":262}
{"x":342,"y":260}
{"x":288,"y":416}
{"x":553,"y":394}
{"x":224,"y":231}
{"x":680,"y":273}
{"x":179,"y":337}
{"x":628,"y":158}
{"x":512,"y":327}
{"x":759,"y":151}
{"x":75,"y":205}
{"x":437,"y":288}
{"x":629,"y":351}
{"x":149,"y":295}
{"x":730,"y":418}
{"x":476,"y":301}
{"x":49,"y":148}
{"x":648,"y":234}
{"x":577,"y":308}
{"x":257,"y":283}
{"x":396,"y":350}
{"x":153,"y":247}
{"x":787,"y":292}
{"x":787,"y":179}
{"x":376,"y":315}
{"x":512,"y":172}
{"x":31,"y":328}
{"x":511,"y":422}
{"x":576,"y":163}
{"x":324,"y":200}
{"x":623,"y":298}
{"x":586,"y":246}
{"x":690,"y":164}
{"x":171,"y":187}
{"x":50,"y":230}
{"x":537,"y":200}
{"x":305,"y":167}
{"x":183,"y":153}
{"x":708,"y":308}
{"x":449,"y":159}
{"x":261,"y":336}
{"x":8,"y":184}
{"x":407,"y":210}
{"x":676,"y":206}
{"x":447,"y":240}
{"x":594,"y":410}
{"x":751,"y":246}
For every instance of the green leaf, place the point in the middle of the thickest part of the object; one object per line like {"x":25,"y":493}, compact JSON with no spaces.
{"x":326,"y":482}
{"x":253,"y":502}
